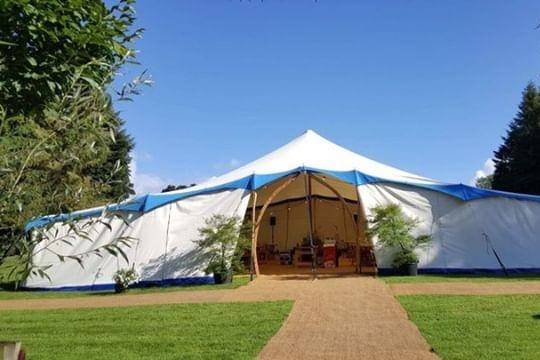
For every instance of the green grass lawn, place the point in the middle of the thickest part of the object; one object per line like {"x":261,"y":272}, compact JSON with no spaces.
{"x":457,"y":278}
{"x":9,"y":295}
{"x":478,"y":327}
{"x":181,"y":331}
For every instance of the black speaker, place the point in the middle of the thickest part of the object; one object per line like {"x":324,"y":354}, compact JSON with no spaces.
{"x":272,"y":220}
{"x":355,"y":218}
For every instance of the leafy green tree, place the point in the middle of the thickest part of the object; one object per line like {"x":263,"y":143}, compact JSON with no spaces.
{"x":115,"y":170}
{"x":485,"y":182}
{"x":223,"y":240}
{"x":517,"y":161}
{"x":44,"y":43}
{"x":61,"y":142}
{"x":45,"y":168}
{"x":393,"y":230}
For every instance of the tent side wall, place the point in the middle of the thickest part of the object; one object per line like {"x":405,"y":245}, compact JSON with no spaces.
{"x":465,"y":234}
{"x":162,"y":250}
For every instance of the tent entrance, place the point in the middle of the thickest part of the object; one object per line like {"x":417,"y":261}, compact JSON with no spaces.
{"x":308,"y":223}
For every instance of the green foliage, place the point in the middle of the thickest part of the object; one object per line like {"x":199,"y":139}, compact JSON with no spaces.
{"x":123,"y":278}
{"x":517,"y":161}
{"x":46,"y":163}
{"x":475,"y":278}
{"x":485,"y":182}
{"x":477,"y":327}
{"x":62,"y":145}
{"x":180,"y":331}
{"x":115,"y":169}
{"x":393,"y":230}
{"x":44,"y":43}
{"x":404,"y":257}
{"x":223,"y":240}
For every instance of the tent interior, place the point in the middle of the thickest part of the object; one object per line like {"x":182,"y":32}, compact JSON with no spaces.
{"x":308,"y":223}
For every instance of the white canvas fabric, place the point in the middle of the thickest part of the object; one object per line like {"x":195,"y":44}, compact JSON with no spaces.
{"x":310,"y":150}
{"x":163,"y":245}
{"x":468,"y":225}
{"x":466,"y":235}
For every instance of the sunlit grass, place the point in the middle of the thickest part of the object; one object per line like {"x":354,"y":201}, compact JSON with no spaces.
{"x":478,"y":327}
{"x":182,"y":331}
{"x":8,"y":295}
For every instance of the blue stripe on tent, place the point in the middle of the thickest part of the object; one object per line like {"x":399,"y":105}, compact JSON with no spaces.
{"x":136,"y":204}
{"x":154,"y":201}
{"x":197,"y":280}
{"x":464,"y":271}
{"x":150,"y":202}
{"x":42,"y":221}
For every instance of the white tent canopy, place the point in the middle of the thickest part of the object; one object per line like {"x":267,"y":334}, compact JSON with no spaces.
{"x":468,"y":225}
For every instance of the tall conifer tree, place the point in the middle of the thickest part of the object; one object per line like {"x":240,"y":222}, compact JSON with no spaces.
{"x":517,"y":161}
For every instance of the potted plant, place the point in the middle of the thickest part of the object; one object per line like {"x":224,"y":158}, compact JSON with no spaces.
{"x":223,"y":240}
{"x":393,"y":230}
{"x":123,"y":278}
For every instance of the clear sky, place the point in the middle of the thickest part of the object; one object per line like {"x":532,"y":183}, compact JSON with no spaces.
{"x":425,"y":86}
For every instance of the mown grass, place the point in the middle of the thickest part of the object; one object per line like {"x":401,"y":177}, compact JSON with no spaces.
{"x":478,"y":327}
{"x":458,"y":278}
{"x":11,"y":295}
{"x":182,"y":331}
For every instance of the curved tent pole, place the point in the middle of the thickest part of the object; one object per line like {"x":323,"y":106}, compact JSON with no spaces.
{"x":253,"y":256}
{"x":257,"y":223}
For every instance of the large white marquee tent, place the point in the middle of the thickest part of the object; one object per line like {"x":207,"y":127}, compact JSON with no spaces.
{"x":472,"y":229}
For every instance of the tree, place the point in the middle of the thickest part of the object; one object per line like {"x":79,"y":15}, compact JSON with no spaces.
{"x":44,"y":43}
{"x":223,"y":240}
{"x":484,"y":182}
{"x":61,"y":142}
{"x":394,"y":230}
{"x":46,"y":168}
{"x":115,"y":170}
{"x":517,"y":161}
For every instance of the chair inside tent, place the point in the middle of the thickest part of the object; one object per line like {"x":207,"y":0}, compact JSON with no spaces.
{"x":309,"y":223}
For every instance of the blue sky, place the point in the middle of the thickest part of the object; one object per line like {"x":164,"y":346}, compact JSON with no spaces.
{"x":425,"y":86}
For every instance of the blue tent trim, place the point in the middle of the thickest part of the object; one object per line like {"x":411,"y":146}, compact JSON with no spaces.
{"x":196,"y":280}
{"x":149,"y":202}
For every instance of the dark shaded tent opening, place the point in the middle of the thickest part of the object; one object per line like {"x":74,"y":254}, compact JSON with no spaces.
{"x":309,"y":223}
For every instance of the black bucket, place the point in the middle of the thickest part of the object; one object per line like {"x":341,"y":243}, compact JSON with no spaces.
{"x":223,"y":278}
{"x":409,"y":269}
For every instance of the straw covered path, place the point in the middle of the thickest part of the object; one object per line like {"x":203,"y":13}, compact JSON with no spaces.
{"x":346,"y":318}
{"x":339,"y":317}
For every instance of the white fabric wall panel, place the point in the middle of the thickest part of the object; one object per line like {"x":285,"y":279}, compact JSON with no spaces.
{"x":182,"y":259}
{"x":415,"y":203}
{"x":459,"y":228}
{"x":162,"y":245}
{"x":513,"y":228}
{"x":69,"y":272}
